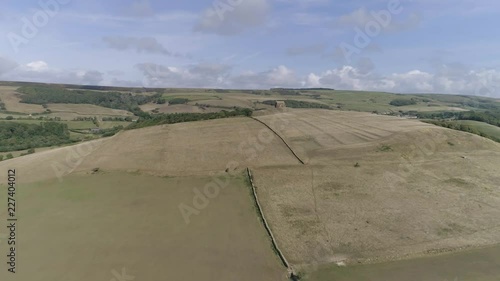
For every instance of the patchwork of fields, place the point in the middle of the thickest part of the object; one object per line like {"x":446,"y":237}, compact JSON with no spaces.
{"x":373,"y":188}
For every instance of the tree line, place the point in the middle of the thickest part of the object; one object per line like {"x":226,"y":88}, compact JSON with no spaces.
{"x":403,"y":102}
{"x":115,"y":100}
{"x":491,"y":117}
{"x":460,"y":127}
{"x":161,"y":119}
{"x":298,"y":104}
{"x":18,"y":136}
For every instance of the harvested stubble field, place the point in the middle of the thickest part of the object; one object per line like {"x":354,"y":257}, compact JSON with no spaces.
{"x":86,"y":110}
{"x":10,"y":97}
{"x":418,"y":189}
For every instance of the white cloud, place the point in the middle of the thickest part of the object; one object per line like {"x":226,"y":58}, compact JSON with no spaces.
{"x":37,"y":66}
{"x":280,"y":76}
{"x":40,"y":71}
{"x":447,"y":78}
{"x":484,"y":82}
{"x":199,"y":75}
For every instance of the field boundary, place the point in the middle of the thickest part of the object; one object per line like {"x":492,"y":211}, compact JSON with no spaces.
{"x":268,"y":228}
{"x":282,"y":139}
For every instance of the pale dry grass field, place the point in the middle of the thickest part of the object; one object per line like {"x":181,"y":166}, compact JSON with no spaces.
{"x":418,"y":189}
{"x":196,"y":148}
{"x":10,"y":97}
{"x":89,"y":226}
{"x":86,"y":109}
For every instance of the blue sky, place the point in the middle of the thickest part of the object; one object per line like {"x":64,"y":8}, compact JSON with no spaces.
{"x":446,"y":46}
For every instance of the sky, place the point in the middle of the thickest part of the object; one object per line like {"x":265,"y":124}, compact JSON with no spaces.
{"x":402,"y":46}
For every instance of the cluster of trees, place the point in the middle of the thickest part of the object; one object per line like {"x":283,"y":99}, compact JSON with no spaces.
{"x":30,"y":151}
{"x":84,"y":118}
{"x":178,"y":101}
{"x":108,"y":88}
{"x":118,"y":119}
{"x":403,"y":102}
{"x":491,"y":117}
{"x":298,"y":104}
{"x":454,"y":125}
{"x":161,"y":101}
{"x":18,"y":136}
{"x":222,"y":91}
{"x":162,"y":119}
{"x":111,"y":132}
{"x":41,"y":118}
{"x":6,"y":157}
{"x":304,"y":89}
{"x":92,"y":119}
{"x":286,"y":92}
{"x":481,"y":104}
{"x":305,"y":104}
{"x":202,"y":105}
{"x":116,"y":100}
{"x":2,"y":105}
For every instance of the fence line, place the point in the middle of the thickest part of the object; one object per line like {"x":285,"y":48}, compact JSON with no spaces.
{"x":282,"y":139}
{"x":268,"y":228}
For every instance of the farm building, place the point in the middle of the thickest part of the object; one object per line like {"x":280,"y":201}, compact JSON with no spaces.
{"x":280,"y":104}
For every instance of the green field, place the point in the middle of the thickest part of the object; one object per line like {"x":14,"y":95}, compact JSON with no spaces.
{"x":482,"y":127}
{"x":476,"y":265}
{"x":86,"y":226}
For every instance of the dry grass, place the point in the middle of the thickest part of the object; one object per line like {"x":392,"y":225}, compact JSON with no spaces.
{"x":196,"y":148}
{"x":87,"y":109}
{"x":10,"y":97}
{"x":422,"y":195}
